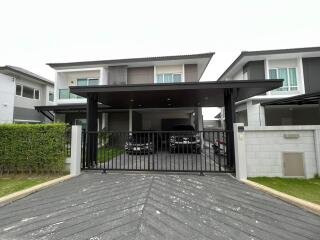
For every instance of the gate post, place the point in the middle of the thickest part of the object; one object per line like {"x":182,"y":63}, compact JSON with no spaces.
{"x":92,"y":136}
{"x":230,"y":116}
{"x":75,"y":164}
{"x":240,"y":151}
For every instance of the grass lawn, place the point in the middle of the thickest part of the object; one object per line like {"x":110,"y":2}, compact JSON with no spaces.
{"x":13,"y":184}
{"x":307,"y":189}
{"x":108,"y":153}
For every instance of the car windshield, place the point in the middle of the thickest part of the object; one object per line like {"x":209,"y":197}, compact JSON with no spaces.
{"x":183,"y":128}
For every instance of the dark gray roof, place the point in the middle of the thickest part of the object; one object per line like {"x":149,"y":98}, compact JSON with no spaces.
{"x":131,"y":60}
{"x":189,"y":94}
{"x":18,"y":70}
{"x":309,"y":98}
{"x":267,"y":52}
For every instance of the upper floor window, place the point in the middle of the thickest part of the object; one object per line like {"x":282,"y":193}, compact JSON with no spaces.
{"x":289,"y":76}
{"x":27,"y":92}
{"x":87,"y":81}
{"x":169,"y":77}
{"x":51,"y":97}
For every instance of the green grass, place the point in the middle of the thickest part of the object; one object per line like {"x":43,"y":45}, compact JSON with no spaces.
{"x":307,"y":189}
{"x":17,"y":183}
{"x":108,"y":153}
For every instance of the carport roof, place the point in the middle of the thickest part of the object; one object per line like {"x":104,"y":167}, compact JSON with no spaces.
{"x":195,"y":94}
{"x":309,"y":98}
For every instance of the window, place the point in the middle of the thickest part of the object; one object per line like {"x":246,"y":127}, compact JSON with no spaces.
{"x":87,"y":81}
{"x":36,"y":94}
{"x":18,"y":90}
{"x":51,"y":97}
{"x":289,"y":76}
{"x":27,"y":92}
{"x":169,"y":77}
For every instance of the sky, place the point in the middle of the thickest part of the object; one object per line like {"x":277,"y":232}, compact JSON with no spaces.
{"x":36,"y":32}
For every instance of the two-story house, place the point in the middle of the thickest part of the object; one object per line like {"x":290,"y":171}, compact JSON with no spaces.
{"x":20,"y":91}
{"x":300,"y":70}
{"x":71,"y":108}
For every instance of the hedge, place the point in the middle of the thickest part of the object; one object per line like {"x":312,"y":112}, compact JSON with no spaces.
{"x":32,"y":148}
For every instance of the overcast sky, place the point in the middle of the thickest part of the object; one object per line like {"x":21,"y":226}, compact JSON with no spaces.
{"x":34,"y":33}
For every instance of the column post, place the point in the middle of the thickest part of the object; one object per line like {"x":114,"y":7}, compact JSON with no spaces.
{"x":230,"y":116}
{"x":92,"y":136}
{"x":75,"y":164}
{"x":240,"y":151}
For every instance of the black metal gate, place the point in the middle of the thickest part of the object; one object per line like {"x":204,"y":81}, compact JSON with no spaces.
{"x":168,"y":151}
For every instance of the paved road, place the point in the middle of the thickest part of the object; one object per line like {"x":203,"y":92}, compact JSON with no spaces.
{"x":149,"y":206}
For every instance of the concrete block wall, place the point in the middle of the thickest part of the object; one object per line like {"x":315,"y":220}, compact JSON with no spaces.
{"x":264,"y":147}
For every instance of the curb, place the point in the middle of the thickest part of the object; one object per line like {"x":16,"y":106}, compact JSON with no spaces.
{"x":23,"y":193}
{"x":309,"y":206}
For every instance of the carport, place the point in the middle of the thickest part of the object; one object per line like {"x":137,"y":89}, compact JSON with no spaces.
{"x":177,"y":95}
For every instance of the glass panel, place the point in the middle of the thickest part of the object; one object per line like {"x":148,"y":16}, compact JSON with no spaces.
{"x":272,"y":74}
{"x":159,"y":78}
{"x":167,"y":78}
{"x":293,"y":79}
{"x":63,"y":93}
{"x":72,"y":96}
{"x":27,"y":92}
{"x":283,"y":75}
{"x":92,"y":82}
{"x":82,"y":82}
{"x":18,"y":90}
{"x":177,"y":77}
{"x":36,"y":94}
{"x":51,"y":97}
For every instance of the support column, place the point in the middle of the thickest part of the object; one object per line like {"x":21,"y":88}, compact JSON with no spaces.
{"x":130,"y":120}
{"x":92,"y":136}
{"x":230,"y":116}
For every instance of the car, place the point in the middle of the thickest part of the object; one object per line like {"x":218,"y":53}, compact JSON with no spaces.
{"x":142,"y":143}
{"x":184,"y":139}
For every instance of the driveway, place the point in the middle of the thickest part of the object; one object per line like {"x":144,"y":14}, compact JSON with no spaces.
{"x":150,"y":206}
{"x":165,"y":161}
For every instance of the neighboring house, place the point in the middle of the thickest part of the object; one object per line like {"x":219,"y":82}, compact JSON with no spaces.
{"x":300,"y":70}
{"x":71,"y":108}
{"x":20,"y":92}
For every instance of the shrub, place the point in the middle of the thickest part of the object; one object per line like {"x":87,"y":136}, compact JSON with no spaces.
{"x":38,"y":148}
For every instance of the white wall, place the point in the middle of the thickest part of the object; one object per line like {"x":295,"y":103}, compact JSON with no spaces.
{"x":7,"y":93}
{"x":264,"y":147}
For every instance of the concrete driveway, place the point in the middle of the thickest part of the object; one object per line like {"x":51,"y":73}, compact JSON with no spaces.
{"x":150,"y":206}
{"x":165,"y":161}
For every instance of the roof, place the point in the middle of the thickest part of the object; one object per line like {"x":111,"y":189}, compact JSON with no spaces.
{"x":131,"y":60}
{"x":191,"y":94}
{"x":266,"y":52}
{"x":309,"y":98}
{"x":8,"y":69}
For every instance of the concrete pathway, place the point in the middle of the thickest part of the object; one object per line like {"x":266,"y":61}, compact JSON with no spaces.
{"x":149,"y":206}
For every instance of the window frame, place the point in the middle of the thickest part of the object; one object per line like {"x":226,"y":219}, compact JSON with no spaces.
{"x":33,"y":94}
{"x":172,"y":77}
{"x":49,"y":97}
{"x":87,"y":81}
{"x":288,"y":86}
{"x":21,"y":89}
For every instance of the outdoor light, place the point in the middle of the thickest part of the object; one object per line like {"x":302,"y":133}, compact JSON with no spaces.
{"x":131,"y":100}
{"x":169,"y":99}
{"x":139,"y":105}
